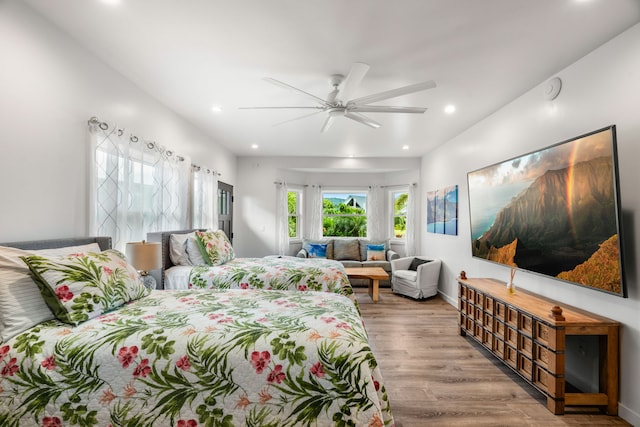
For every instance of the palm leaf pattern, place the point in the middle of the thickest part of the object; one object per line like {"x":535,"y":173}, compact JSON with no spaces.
{"x":285,"y":273}
{"x":199,"y":357}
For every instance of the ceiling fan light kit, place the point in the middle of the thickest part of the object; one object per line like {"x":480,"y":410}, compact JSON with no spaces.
{"x":339,"y":101}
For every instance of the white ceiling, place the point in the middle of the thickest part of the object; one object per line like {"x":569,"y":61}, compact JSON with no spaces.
{"x":194,"y":54}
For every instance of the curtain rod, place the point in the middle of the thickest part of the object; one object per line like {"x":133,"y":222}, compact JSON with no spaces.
{"x":94,"y":124}
{"x":290,"y":183}
{"x":207,"y":170}
{"x":413,"y":184}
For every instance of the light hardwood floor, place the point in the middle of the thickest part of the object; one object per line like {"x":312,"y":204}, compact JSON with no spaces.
{"x":436,"y":377}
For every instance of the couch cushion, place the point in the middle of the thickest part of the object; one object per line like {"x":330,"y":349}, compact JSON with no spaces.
{"x":351,"y":264}
{"x":346,"y":249}
{"x":406,"y":274}
{"x":365,"y":242}
{"x":385,"y":265}
{"x":329,"y":243}
{"x":417,"y":262}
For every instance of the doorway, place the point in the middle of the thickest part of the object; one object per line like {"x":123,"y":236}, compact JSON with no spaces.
{"x":225,"y":209}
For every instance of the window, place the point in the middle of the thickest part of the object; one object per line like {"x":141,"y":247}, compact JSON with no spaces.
{"x":294,"y":203}
{"x":344,"y":214}
{"x":399,"y":209}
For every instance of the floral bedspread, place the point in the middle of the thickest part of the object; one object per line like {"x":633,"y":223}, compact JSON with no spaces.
{"x":286,"y":273}
{"x":198,"y":358}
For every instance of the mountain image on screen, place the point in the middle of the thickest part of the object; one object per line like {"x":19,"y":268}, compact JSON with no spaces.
{"x":563,"y":225}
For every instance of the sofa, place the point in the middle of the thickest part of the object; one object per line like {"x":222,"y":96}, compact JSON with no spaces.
{"x":352,"y":252}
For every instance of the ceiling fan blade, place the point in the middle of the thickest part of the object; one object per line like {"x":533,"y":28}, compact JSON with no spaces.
{"x":298,"y":118}
{"x":277,"y":108}
{"x":295,"y":89}
{"x":386,"y":109}
{"x":362,"y":119}
{"x":355,"y":76}
{"x":392,"y":93}
{"x":327,"y":123}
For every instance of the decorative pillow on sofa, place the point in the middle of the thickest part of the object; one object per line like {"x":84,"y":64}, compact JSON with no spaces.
{"x":21,"y":304}
{"x":365,"y":242}
{"x":317,"y":250}
{"x":80,"y":287}
{"x":417,"y":262}
{"x":215,"y":247}
{"x":376,"y":253}
{"x":346,"y":249}
{"x":307,"y":243}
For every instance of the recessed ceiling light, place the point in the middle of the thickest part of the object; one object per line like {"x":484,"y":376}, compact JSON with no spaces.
{"x":111,"y":2}
{"x":450,"y":109}
{"x":216,"y":108}
{"x":405,"y":147}
{"x":254,"y":146}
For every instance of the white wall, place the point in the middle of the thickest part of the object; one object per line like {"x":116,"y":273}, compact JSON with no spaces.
{"x":601,"y":89}
{"x":49,"y":87}
{"x":255,"y":207}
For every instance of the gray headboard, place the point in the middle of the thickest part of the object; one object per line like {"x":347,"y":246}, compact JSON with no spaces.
{"x":103,"y":242}
{"x":163,"y":238}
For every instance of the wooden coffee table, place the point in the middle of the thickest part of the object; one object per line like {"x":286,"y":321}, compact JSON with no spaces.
{"x":374,"y":274}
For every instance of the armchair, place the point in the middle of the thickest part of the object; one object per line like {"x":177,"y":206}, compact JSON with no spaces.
{"x":415,"y":276}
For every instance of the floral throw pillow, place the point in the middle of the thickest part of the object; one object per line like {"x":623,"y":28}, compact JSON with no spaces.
{"x":82,"y":286}
{"x":215,"y":247}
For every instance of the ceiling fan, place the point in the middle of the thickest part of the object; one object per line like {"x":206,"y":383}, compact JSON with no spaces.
{"x":339,"y":101}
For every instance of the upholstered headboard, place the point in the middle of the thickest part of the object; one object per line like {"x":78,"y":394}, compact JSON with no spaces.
{"x":103,"y":242}
{"x":163,"y":238}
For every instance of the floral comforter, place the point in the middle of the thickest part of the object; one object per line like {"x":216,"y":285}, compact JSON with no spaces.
{"x":198,"y":358}
{"x":286,"y":273}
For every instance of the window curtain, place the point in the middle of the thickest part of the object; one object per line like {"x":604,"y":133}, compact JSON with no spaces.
{"x":136,"y":186}
{"x":314,"y":197}
{"x":375,"y":226}
{"x":410,"y":243}
{"x":282,"y":219}
{"x":204,"y":198}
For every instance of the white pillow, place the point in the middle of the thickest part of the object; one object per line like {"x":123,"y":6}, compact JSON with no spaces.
{"x":21,"y":304}
{"x":193,"y":251}
{"x":178,"y":249}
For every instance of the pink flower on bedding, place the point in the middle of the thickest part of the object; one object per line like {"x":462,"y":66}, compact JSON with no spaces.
{"x":187,"y":423}
{"x":260,"y":360}
{"x":143,"y":369}
{"x":127,"y":354}
{"x":276,"y":375}
{"x":302,"y":287}
{"x":129,"y":391}
{"x":3,"y":351}
{"x":243,"y":402}
{"x":328,"y":319}
{"x":376,"y":384}
{"x":318,"y":370}
{"x":265,"y":396}
{"x":343,"y":325}
{"x":183,"y":363}
{"x":63,"y":293}
{"x":107,"y":271}
{"x":244,"y":285}
{"x":10,"y":368}
{"x":107,"y":397}
{"x":49,"y":363}
{"x":214,"y":316}
{"x":51,"y":422}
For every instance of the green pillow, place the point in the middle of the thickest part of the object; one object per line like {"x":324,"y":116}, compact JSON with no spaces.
{"x":82,"y":286}
{"x":215,"y":247}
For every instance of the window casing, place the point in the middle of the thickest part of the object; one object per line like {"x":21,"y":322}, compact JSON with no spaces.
{"x":399,"y":199}
{"x":344,"y":214}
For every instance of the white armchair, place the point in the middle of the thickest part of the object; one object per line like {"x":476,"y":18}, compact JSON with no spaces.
{"x":415,"y":276}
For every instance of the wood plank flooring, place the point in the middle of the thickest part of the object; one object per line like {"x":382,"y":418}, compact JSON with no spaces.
{"x":435,"y":377}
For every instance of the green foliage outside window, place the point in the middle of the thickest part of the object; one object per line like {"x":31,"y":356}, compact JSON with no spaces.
{"x":292,"y":203}
{"x":344,"y":218}
{"x":400,"y":214}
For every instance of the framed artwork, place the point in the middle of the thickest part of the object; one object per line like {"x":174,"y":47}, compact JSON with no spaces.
{"x":442,"y":211}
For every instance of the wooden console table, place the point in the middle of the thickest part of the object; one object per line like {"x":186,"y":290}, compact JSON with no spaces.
{"x":522,"y":330}
{"x":374,"y":274}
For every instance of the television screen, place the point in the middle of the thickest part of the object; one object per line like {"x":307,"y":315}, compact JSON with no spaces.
{"x":554,"y":212}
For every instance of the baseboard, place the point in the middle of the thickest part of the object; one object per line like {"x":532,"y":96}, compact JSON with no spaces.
{"x":628,"y":415}
{"x":447,"y":298}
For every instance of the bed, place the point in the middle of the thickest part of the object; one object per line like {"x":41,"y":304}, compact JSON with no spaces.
{"x":195,"y":357}
{"x":272,"y":272}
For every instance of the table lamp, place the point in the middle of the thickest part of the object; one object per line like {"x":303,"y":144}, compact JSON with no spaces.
{"x":144,"y":257}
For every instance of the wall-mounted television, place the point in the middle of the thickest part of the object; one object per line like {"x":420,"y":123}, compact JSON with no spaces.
{"x":555,"y":212}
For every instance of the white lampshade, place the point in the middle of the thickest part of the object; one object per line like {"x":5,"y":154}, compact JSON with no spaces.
{"x":144,"y":256}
